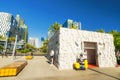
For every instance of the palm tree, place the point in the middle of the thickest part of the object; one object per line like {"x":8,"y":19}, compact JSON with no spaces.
{"x":55,"y":27}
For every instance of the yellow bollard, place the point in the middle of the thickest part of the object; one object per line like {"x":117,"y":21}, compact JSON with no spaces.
{"x":86,"y":63}
{"x":76,"y":65}
{"x":29,"y":57}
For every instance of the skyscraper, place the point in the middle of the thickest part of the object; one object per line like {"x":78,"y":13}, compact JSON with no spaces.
{"x":10,"y":27}
{"x":69,"y":23}
{"x":34,"y":42}
{"x":8,"y":24}
{"x":23,"y":29}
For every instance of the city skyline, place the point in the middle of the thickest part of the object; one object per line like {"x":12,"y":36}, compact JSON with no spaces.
{"x":39,"y":15}
{"x":34,"y":42}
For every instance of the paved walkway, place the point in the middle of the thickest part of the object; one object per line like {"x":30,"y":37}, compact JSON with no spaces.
{"x":39,"y":69}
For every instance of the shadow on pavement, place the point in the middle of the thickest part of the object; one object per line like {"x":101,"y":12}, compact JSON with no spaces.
{"x":104,"y":74}
{"x":48,"y":62}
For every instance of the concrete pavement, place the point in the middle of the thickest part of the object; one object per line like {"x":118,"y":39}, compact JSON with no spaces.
{"x":39,"y":69}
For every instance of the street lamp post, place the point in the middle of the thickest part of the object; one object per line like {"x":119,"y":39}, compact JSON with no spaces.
{"x":13,"y":53}
{"x":6,"y":44}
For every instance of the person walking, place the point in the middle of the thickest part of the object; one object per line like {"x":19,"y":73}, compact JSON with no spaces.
{"x":4,"y":53}
{"x":51,"y":56}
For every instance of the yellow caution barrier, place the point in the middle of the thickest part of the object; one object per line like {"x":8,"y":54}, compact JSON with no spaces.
{"x":12,"y":69}
{"x":86,"y":63}
{"x":28,"y":57}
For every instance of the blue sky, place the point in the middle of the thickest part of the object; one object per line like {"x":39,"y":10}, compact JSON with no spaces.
{"x":40,"y":14}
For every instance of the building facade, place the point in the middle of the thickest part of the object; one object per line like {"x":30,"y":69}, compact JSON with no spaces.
{"x":69,"y":43}
{"x":8,"y":24}
{"x":11,"y":26}
{"x":34,"y":42}
{"x":69,"y":23}
{"x":23,"y":29}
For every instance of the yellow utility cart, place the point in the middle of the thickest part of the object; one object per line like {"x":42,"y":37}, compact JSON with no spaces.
{"x":78,"y":66}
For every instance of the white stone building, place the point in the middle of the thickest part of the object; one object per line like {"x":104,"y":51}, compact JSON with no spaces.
{"x":69,"y":43}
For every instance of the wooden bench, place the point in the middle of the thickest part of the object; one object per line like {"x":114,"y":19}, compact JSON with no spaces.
{"x":12,"y":69}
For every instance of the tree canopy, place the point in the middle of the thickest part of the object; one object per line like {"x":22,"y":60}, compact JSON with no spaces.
{"x":116,"y":36}
{"x":55,"y":27}
{"x":1,"y":47}
{"x":44,"y":47}
{"x":2,"y":38}
{"x":73,"y":27}
{"x":11,"y":39}
{"x":29,"y":46}
{"x":101,"y":30}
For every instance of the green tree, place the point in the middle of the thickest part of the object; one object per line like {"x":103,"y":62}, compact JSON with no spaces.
{"x":11,"y":39}
{"x":1,"y":47}
{"x":113,"y":32}
{"x":73,"y":27}
{"x":55,"y":27}
{"x":2,"y":38}
{"x":116,"y":36}
{"x":44,"y":48}
{"x":25,"y":51}
{"x":101,"y":30}
{"x":29,"y":46}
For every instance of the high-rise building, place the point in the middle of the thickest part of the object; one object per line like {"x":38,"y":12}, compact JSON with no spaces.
{"x":8,"y":24}
{"x":50,"y":34}
{"x":23,"y":29}
{"x":69,"y":23}
{"x":10,"y":27}
{"x":34,"y":42}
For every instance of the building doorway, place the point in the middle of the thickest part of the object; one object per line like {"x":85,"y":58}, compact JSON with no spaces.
{"x":91,"y":48}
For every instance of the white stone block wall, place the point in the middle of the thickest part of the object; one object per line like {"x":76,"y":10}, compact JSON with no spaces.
{"x":71,"y":43}
{"x":54,"y":45}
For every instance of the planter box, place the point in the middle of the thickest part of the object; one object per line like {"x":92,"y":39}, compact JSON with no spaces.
{"x":12,"y":69}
